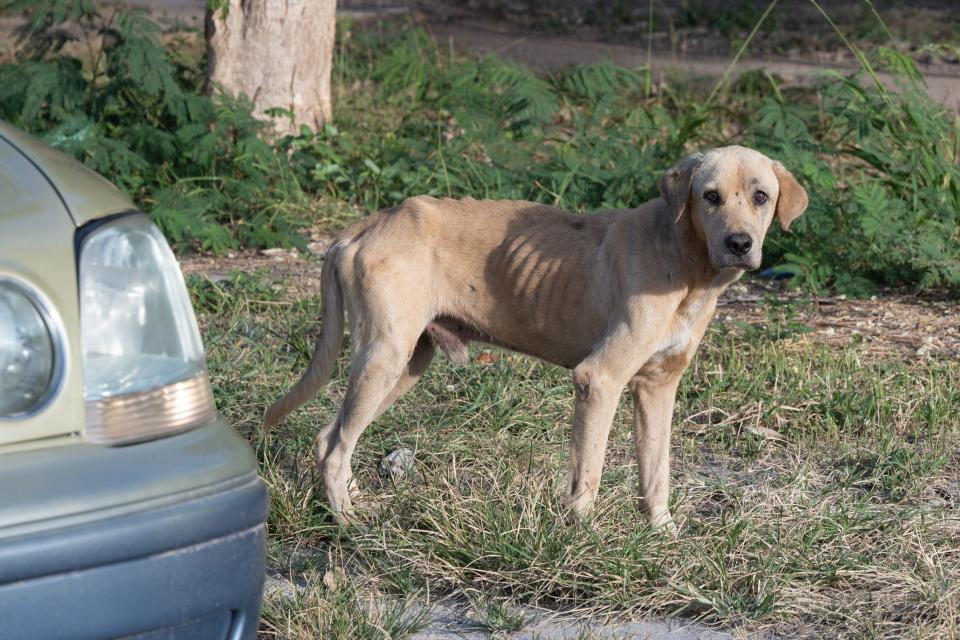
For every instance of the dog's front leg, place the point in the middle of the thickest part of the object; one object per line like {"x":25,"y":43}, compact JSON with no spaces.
{"x":597,"y":395}
{"x":653,"y":399}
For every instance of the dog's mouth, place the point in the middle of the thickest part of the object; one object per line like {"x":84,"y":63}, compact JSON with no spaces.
{"x":745,"y":263}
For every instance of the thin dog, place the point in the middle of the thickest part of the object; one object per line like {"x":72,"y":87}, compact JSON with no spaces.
{"x":621,"y":297}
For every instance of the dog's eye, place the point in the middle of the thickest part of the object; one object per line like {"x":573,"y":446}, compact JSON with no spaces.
{"x":712,"y":197}
{"x":760,"y":197}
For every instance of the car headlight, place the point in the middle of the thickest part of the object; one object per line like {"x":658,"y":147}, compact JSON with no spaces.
{"x":144,"y":370}
{"x":30,"y":357}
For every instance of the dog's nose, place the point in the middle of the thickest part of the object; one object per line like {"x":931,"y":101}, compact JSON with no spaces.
{"x":739,"y":243}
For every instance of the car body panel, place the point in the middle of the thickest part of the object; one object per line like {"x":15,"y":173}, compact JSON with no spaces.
{"x":208,"y":590}
{"x":86,"y":487}
{"x":222,"y":511}
{"x":36,"y":249}
{"x":86,"y":194}
{"x":141,"y":539}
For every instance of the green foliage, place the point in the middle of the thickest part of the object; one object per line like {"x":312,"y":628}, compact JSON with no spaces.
{"x":134,"y":112}
{"x":880,"y":166}
{"x":593,"y":81}
{"x":881,"y":170}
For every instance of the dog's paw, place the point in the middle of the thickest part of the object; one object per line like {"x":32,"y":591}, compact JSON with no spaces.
{"x":579,"y":509}
{"x":345,"y":517}
{"x":664,"y":524}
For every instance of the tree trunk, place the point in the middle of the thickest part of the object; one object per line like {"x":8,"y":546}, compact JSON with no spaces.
{"x":276,"y":52}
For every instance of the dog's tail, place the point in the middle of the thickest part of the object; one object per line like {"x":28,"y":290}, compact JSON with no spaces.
{"x":328,"y":345}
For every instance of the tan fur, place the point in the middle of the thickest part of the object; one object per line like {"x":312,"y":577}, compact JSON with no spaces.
{"x":622,"y":297}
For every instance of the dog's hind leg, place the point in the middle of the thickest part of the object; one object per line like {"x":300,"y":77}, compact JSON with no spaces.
{"x":381,"y":371}
{"x":374,"y":373}
{"x":416,"y":366}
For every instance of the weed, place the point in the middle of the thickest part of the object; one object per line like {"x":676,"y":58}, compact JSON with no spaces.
{"x":499,"y":617}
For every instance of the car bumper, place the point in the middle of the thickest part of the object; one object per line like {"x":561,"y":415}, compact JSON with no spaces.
{"x":175,"y":551}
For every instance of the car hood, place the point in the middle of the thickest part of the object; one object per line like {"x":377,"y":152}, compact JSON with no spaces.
{"x":44,"y":196}
{"x":85,"y":194}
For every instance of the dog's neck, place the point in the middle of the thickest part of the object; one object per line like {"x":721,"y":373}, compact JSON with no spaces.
{"x":678,"y":234}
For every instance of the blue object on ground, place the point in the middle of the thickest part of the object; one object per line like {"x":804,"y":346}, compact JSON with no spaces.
{"x":772,"y":273}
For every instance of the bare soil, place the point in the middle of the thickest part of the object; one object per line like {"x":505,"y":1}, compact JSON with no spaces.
{"x":794,"y":29}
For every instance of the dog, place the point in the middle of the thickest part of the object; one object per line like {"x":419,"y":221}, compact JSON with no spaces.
{"x":622,"y":297}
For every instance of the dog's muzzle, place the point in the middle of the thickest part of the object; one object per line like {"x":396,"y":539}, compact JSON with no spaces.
{"x":739,"y":244}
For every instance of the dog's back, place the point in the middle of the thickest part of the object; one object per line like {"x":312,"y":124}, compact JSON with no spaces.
{"x":520,"y":274}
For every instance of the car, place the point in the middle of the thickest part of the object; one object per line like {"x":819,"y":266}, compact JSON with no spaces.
{"x":128,"y":508}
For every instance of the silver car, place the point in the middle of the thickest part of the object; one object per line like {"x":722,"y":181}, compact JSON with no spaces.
{"x":127,"y":507}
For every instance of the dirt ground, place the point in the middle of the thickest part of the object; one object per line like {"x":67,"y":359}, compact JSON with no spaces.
{"x":890,"y":324}
{"x":794,"y":29}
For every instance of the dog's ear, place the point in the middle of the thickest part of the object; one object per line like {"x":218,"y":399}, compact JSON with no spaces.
{"x":793,"y":199}
{"x":675,"y":183}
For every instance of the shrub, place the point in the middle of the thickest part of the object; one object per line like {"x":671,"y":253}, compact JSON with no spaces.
{"x":135,"y":112}
{"x":880,"y":166}
{"x":882,"y":171}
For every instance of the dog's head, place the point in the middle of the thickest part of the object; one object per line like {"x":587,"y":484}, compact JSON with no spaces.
{"x":732,"y":195}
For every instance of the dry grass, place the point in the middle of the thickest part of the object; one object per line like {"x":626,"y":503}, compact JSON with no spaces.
{"x":816,"y":489}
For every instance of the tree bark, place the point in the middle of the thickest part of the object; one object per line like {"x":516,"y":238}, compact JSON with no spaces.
{"x":278,"y":53}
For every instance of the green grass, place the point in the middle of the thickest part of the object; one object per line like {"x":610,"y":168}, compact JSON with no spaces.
{"x":840,"y":521}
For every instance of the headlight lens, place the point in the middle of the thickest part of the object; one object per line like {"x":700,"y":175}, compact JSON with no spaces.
{"x":28,"y":352}
{"x":144,"y":370}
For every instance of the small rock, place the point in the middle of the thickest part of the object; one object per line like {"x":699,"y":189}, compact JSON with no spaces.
{"x":766,"y":433}
{"x":279,"y":253}
{"x":397,"y":464}
{"x":279,"y":587}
